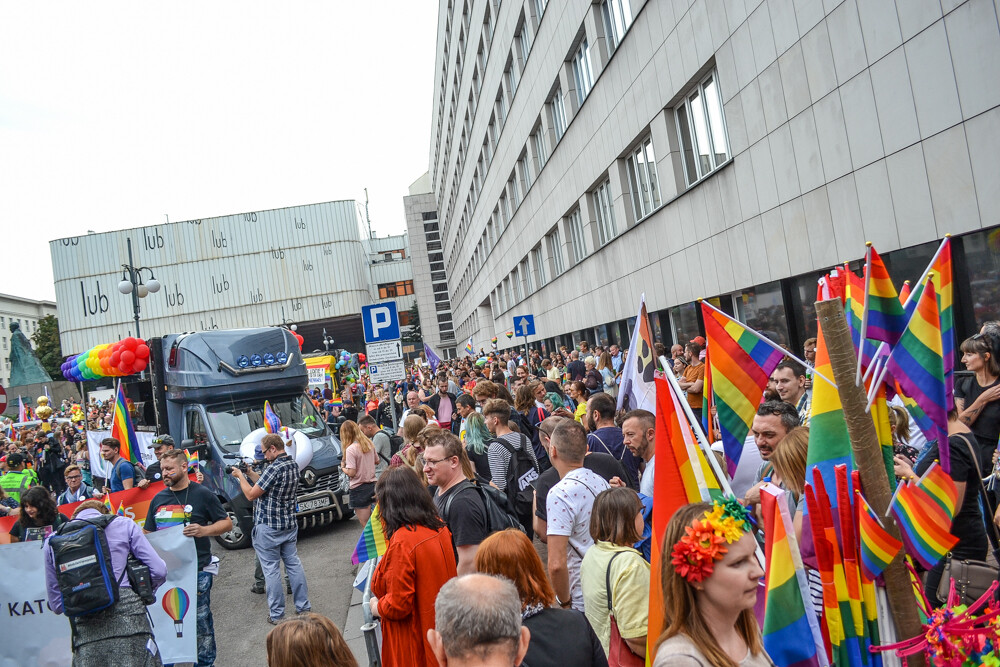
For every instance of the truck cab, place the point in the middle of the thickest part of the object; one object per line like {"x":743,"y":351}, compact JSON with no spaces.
{"x":208,"y":391}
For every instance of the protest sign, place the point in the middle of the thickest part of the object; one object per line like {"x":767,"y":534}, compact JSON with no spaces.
{"x":101,"y":468}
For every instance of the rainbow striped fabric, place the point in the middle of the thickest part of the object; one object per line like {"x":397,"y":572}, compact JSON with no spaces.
{"x":468,"y":347}
{"x":272,"y":423}
{"x":917,"y":364}
{"x":121,"y":509}
{"x":941,"y":268}
{"x":886,"y":317}
{"x":121,"y":428}
{"x":876,"y":546}
{"x":854,"y":309}
{"x":923,"y":523}
{"x":791,"y":632}
{"x":107,"y":503}
{"x":940,"y":487}
{"x":168,"y":516}
{"x":192,"y":460}
{"x":372,"y":542}
{"x":738,"y":366}
{"x":904,"y":292}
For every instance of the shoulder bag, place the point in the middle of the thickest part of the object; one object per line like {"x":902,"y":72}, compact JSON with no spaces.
{"x":619,"y":652}
{"x":972,"y":577}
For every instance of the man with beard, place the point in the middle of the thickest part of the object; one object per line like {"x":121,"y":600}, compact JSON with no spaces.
{"x":604,"y":436}
{"x":638,"y":434}
{"x":186,"y":503}
{"x":773,"y":421}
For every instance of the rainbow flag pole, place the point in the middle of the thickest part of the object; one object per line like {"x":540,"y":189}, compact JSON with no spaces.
{"x":121,"y":428}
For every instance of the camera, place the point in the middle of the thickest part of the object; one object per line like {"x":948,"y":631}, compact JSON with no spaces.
{"x":242,"y":465}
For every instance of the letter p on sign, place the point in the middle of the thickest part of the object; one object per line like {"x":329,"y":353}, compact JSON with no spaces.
{"x":381,"y":322}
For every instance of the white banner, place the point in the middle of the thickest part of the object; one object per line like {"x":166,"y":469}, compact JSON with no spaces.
{"x":33,"y":636}
{"x":101,"y":468}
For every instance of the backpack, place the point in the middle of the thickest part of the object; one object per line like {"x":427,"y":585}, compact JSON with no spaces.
{"x":522,"y":470}
{"x":499,"y":515}
{"x":395,"y":442}
{"x":84,"y":572}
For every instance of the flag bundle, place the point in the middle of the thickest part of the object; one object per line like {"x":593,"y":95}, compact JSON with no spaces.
{"x":192,"y":459}
{"x":372,"y":542}
{"x":923,"y":510}
{"x":941,"y":267}
{"x":735,"y":376}
{"x":121,"y":428}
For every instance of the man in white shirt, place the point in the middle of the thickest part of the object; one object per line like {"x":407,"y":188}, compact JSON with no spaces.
{"x":412,"y":401}
{"x":638,"y":434}
{"x":568,"y":507}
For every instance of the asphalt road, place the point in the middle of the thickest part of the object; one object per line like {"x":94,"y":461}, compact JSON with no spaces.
{"x":241,"y":625}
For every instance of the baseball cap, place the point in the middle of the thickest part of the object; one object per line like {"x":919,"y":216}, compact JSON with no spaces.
{"x":14,"y":459}
{"x":698,"y":339}
{"x":163,"y":440}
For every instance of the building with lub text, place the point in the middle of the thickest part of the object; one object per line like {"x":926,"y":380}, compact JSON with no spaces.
{"x":429,"y":275}
{"x":26,"y":313}
{"x":586,"y":152}
{"x":312,"y":266}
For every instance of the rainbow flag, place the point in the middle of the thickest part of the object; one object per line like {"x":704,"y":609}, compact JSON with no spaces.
{"x":121,"y":428}
{"x":736,"y":377}
{"x":917,"y":364}
{"x":336,"y":401}
{"x":854,"y":309}
{"x":121,"y":509}
{"x":107,"y":503}
{"x":876,"y":546}
{"x":940,"y":487}
{"x":468,"y":347}
{"x":192,"y":460}
{"x":886,"y":318}
{"x":167,"y":518}
{"x":940,"y":266}
{"x":904,"y":292}
{"x":923,"y":524}
{"x":372,"y":542}
{"x":791,"y":632}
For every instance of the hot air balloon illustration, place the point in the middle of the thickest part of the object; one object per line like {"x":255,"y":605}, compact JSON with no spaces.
{"x":176,"y":603}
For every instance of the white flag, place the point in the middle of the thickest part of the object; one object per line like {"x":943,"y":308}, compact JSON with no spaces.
{"x":637,"y":376}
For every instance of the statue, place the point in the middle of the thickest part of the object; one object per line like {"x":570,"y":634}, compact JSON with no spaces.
{"x":25,"y":368}
{"x":43,"y":412}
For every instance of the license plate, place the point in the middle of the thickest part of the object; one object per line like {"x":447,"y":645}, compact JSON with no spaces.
{"x":317,"y":503}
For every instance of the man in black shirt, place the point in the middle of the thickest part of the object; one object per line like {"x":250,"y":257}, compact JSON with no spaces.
{"x":604,"y":465}
{"x":202,"y":515}
{"x":576,"y":368}
{"x":465,"y":514}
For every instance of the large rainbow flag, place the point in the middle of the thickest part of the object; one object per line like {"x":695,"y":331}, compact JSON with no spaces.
{"x":917,"y":364}
{"x":372,"y":542}
{"x":739,"y":364}
{"x":121,"y":428}
{"x":854,"y":309}
{"x":940,"y":266}
{"x":791,"y":633}
{"x":885,"y":317}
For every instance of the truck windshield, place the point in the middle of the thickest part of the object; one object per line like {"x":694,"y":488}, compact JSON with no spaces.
{"x":231,"y":423}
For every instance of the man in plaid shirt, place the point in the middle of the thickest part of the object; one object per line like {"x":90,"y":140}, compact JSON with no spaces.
{"x":275,"y":531}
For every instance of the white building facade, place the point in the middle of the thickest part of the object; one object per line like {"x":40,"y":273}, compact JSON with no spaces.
{"x":584,"y":153}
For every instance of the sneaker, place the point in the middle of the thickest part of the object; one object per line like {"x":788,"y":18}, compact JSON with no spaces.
{"x":275,"y":621}
{"x":257,"y":588}
{"x":303,"y":611}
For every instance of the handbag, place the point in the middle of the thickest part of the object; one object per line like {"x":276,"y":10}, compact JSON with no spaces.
{"x":619,"y":653}
{"x":972,"y":577}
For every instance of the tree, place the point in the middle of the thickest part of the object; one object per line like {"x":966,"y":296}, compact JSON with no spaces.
{"x":47,"y":347}
{"x":413,"y":335}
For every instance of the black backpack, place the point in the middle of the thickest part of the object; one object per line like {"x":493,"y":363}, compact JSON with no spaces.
{"x":499,"y":515}
{"x":522,"y":470}
{"x":395,"y":442}
{"x":83,"y":566}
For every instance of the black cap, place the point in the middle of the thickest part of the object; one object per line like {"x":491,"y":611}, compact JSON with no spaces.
{"x":163,"y":440}
{"x":14,"y":460}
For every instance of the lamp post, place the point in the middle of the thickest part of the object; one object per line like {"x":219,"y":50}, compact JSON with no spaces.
{"x":327,"y":341}
{"x":132,"y":283}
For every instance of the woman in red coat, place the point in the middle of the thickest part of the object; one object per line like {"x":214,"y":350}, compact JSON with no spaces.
{"x":416,"y":564}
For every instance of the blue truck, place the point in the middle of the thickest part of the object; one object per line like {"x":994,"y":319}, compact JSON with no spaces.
{"x":207,"y":390}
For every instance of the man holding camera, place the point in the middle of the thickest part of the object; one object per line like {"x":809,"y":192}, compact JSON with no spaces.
{"x":186,"y":503}
{"x":275,"y":531}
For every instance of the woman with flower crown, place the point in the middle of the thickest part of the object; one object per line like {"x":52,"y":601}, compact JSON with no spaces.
{"x":710,"y":576}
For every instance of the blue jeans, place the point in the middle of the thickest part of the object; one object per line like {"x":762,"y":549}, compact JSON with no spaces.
{"x":206,"y":625}
{"x":273,"y":547}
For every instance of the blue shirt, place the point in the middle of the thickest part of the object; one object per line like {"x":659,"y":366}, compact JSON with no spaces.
{"x":121,"y":471}
{"x":609,"y":440}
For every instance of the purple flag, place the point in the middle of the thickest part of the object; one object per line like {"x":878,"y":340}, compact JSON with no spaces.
{"x":432,"y":358}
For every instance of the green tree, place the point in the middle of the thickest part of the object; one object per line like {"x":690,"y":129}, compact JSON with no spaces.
{"x":413,"y":335}
{"x":47,"y":347}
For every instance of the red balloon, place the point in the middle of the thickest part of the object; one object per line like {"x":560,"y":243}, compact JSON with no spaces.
{"x":116,"y":358}
{"x":130,"y":344}
{"x":128,"y":358}
{"x":124,"y":368}
{"x":361,"y":357}
{"x":142,"y":351}
{"x":299,"y":338}
{"x":140,"y":365}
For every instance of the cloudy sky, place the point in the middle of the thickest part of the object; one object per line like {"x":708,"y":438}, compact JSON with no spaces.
{"x":115,"y":114}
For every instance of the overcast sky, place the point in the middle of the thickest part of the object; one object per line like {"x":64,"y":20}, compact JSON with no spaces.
{"x":113,"y":114}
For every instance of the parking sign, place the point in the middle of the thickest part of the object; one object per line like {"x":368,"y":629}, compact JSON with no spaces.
{"x":381,"y":322}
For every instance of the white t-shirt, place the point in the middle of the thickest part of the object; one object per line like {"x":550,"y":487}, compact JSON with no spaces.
{"x":646,"y":483}
{"x":568,"y":508}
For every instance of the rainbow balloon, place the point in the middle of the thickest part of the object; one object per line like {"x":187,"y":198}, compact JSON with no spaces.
{"x":175,"y":603}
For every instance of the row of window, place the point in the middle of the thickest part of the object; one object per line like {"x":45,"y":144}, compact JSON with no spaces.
{"x":398,"y":288}
{"x":27,"y":326}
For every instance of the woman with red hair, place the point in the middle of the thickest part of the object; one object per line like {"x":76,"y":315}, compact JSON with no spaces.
{"x":555,"y":633}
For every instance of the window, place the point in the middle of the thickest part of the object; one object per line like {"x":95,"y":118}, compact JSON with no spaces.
{"x":558,"y":111}
{"x":525,"y":172}
{"x":539,"y":141}
{"x":582,"y":71}
{"x":523,"y":39}
{"x":575,"y":224}
{"x":604,"y":210}
{"x":539,"y":261}
{"x":513,"y":78}
{"x":399,"y":288}
{"x":504,"y":210}
{"x":641,"y":165}
{"x":540,"y":6}
{"x":702,"y":130}
{"x":764,"y":310}
{"x":487,"y":152}
{"x":509,"y":291}
{"x":526,"y":276}
{"x":515,"y":278}
{"x":555,"y":250}
{"x":515,"y":194}
{"x":501,"y":108}
{"x":617,"y":19}
{"x":481,"y":59}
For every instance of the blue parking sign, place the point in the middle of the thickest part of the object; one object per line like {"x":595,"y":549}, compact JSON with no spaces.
{"x":381,"y":322}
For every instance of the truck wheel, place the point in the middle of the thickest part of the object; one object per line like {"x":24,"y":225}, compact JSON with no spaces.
{"x":237,"y":538}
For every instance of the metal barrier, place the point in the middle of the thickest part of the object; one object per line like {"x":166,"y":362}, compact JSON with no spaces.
{"x":371,"y":624}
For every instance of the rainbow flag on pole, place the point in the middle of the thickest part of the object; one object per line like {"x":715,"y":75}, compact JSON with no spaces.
{"x":372,"y":542}
{"x":121,"y":428}
{"x":917,"y":364}
{"x":923,"y":523}
{"x":468,"y":347}
{"x":107,"y":503}
{"x":854,"y":308}
{"x":886,"y":317}
{"x":740,"y":364}
{"x":876,"y":546}
{"x":940,"y":266}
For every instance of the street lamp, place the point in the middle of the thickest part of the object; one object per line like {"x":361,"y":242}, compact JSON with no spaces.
{"x":132,"y":283}
{"x":327,"y":341}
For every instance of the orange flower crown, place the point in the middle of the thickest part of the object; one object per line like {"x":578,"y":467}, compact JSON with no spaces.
{"x":705,"y":540}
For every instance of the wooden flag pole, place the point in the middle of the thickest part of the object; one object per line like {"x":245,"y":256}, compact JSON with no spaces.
{"x":868,"y":456}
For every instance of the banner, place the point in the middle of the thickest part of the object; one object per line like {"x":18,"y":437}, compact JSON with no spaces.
{"x":33,"y":636}
{"x":101,"y":468}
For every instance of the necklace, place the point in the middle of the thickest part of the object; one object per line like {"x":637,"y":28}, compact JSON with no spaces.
{"x":187,"y":508}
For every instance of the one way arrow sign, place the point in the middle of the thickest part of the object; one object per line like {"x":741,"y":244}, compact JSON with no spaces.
{"x":524,"y":325}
